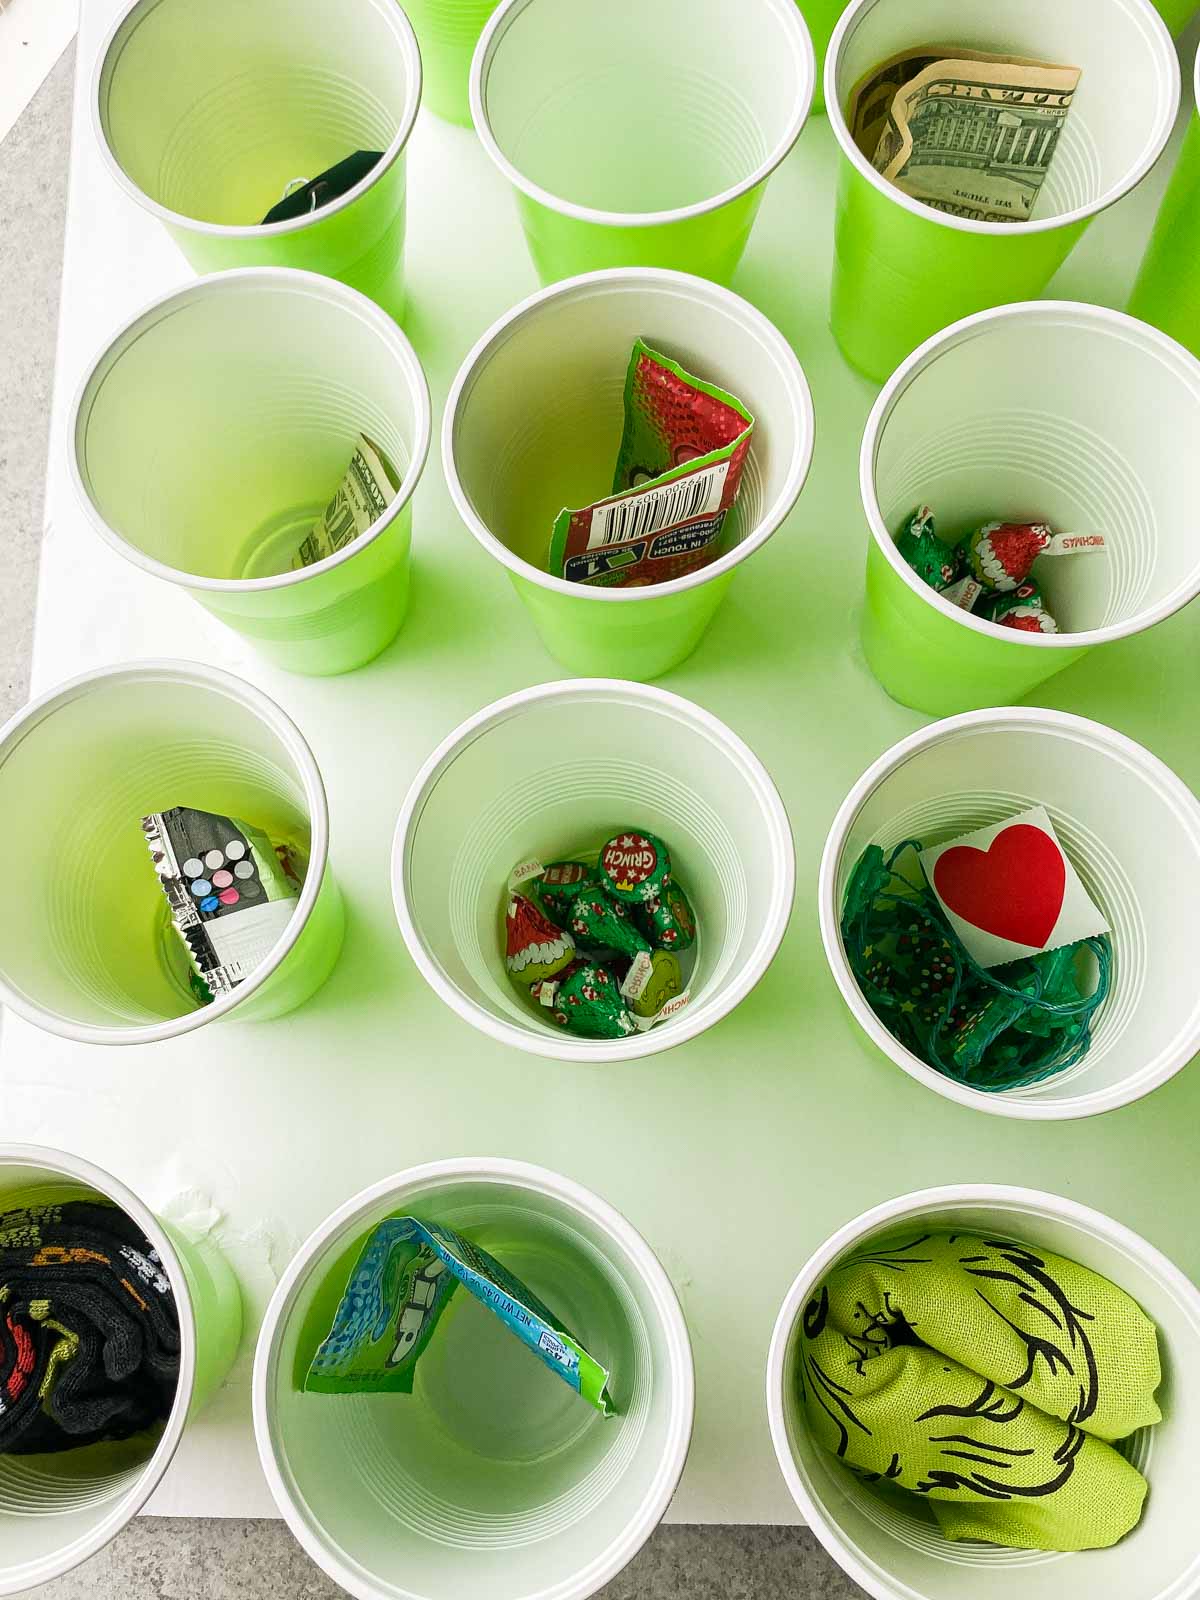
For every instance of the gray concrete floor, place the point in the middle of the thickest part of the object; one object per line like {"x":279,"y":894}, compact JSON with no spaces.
{"x":156,"y":1558}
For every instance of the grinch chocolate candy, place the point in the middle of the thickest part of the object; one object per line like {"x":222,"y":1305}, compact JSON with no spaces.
{"x":667,"y":919}
{"x":656,"y":987}
{"x":534,"y":948}
{"x":599,"y":923}
{"x":634,"y":866}
{"x":635,"y":869}
{"x":587,"y":1000}
{"x":1001,"y":554}
{"x":1023,"y":609}
{"x":561,"y":884}
{"x":932,"y":559}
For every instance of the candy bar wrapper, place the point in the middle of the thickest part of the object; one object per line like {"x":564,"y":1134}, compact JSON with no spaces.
{"x":230,"y":891}
{"x":678,"y":474}
{"x":397,"y":1292}
{"x":938,"y":564}
{"x":364,"y":494}
{"x":305,"y":195}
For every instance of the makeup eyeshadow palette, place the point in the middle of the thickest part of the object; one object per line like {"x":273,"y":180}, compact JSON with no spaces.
{"x":230,"y":892}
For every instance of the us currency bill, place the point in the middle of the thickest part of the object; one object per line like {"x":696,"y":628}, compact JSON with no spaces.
{"x":364,"y":494}
{"x":966,"y":133}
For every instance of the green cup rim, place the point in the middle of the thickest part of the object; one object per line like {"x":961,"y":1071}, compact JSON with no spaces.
{"x":1102,"y":317}
{"x":407,"y":40}
{"x":489,"y":43}
{"x":237,"y":280}
{"x":506,"y":326}
{"x":1168,"y":61}
{"x":191,"y":673}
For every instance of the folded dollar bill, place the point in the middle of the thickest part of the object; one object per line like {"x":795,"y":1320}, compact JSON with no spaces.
{"x":967,"y":133}
{"x":364,"y":494}
{"x":401,"y":1285}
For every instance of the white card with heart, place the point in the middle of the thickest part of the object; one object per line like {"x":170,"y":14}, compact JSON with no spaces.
{"x":1009,"y":890}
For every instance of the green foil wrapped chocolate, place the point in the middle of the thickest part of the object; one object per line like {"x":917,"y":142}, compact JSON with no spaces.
{"x":561,"y":884}
{"x":937,"y":563}
{"x":667,"y":920}
{"x":587,"y":1000}
{"x":598,"y":923}
{"x":634,"y":866}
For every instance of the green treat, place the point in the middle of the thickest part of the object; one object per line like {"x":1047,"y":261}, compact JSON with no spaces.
{"x":599,"y":923}
{"x":390,"y":1308}
{"x":1001,"y":1029}
{"x":1048,"y":979}
{"x":534,"y":948}
{"x":587,"y":1000}
{"x":667,"y":919}
{"x":664,"y":983}
{"x":634,"y":867}
{"x":935,"y":562}
{"x":1022,"y":608}
{"x":561,"y":884}
{"x":987,"y":1380}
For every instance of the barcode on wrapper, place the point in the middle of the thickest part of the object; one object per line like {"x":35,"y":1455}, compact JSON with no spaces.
{"x":639,"y":515}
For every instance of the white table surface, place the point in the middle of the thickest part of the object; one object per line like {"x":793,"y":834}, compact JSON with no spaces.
{"x":735,"y":1154}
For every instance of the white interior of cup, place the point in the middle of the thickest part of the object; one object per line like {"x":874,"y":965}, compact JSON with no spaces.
{"x":56,"y":1509}
{"x":639,"y":110}
{"x":493,"y":1478}
{"x":211,"y":111}
{"x":538,"y":420}
{"x":1054,"y":413}
{"x":1133,"y":835}
{"x":218,"y":425}
{"x":1123,"y":108}
{"x":578,"y":763}
{"x":896,"y":1551}
{"x":87,"y":943}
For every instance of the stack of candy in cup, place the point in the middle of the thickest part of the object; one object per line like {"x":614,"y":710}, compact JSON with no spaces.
{"x":990,"y":572}
{"x":595,"y":945}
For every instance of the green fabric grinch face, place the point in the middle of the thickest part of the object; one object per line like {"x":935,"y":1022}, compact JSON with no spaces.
{"x":986,"y":1378}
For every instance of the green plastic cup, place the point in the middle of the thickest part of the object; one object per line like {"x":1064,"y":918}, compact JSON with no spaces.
{"x":246,"y":391}
{"x":492,"y":1478}
{"x":533,"y":423}
{"x":1069,"y":414}
{"x":87,"y":950}
{"x":205,"y":114}
{"x":1176,"y":13}
{"x":821,"y":16}
{"x":640,"y":135}
{"x":1167,"y":291}
{"x":449,"y":31}
{"x":903,"y":270}
{"x":56,"y":1510}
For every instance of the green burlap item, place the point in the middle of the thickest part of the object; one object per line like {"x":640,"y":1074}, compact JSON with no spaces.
{"x":985,"y":1377}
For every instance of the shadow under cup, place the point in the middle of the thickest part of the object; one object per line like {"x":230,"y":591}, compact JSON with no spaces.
{"x":558,"y":771}
{"x":890,"y":1543}
{"x":493,"y":1478}
{"x":1132,"y":832}
{"x":87,"y":949}
{"x":1059,"y":413}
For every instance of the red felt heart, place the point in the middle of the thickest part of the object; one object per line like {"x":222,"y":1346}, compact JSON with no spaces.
{"x":1014,"y":890}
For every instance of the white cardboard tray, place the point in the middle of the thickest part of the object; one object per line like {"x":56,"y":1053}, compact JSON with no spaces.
{"x":735,"y":1154}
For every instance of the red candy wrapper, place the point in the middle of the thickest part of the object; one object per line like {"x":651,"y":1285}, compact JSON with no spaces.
{"x":678,"y":474}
